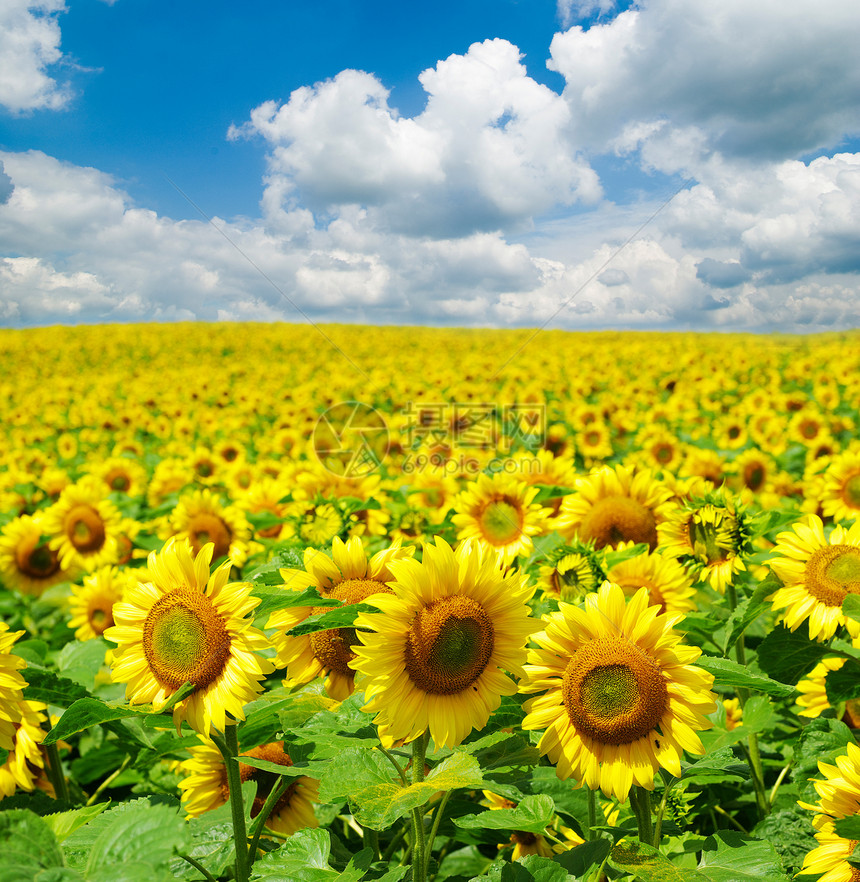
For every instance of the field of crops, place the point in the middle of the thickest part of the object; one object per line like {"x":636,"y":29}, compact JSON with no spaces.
{"x":293,"y":603}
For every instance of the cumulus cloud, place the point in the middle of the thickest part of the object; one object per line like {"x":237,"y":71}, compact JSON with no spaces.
{"x":764,"y":79}
{"x":488,"y":152}
{"x":29,"y":48}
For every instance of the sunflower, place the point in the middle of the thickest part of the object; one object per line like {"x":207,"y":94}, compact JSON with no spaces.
{"x":839,"y":792}
{"x":668,"y":582}
{"x":122,"y":474}
{"x":813,"y":700}
{"x":91,"y":604}
{"x":312,"y":523}
{"x":435,"y":655}
{"x":831,"y":856}
{"x":615,"y":504}
{"x":170,"y":476}
{"x":840,"y":498}
{"x":25,"y":762}
{"x":709,"y":535}
{"x":84,"y":526}
{"x":200,"y":518}
{"x":205,"y":786}
{"x":347,"y":576}
{"x":621,"y":696}
{"x":571,"y":571}
{"x":189,"y":626}
{"x":499,"y":513}
{"x":734,"y":713}
{"x":11,"y":686}
{"x":817,"y":573}
{"x":27,"y":562}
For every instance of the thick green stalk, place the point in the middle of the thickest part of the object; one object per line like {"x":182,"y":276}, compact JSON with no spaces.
{"x":640,"y":802}
{"x":228,"y":744}
{"x":753,"y":753}
{"x":419,"y":867}
{"x":55,"y":773}
{"x":277,"y":791}
{"x":592,"y":815}
{"x":440,"y":810}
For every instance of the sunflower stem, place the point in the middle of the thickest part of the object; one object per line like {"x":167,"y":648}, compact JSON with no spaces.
{"x":419,"y":750}
{"x":199,"y":867}
{"x":55,"y":772}
{"x":640,"y":802}
{"x":260,"y":821}
{"x":437,"y":817}
{"x":753,"y":754}
{"x":393,"y":760}
{"x":398,"y":837}
{"x":371,"y":840}
{"x":108,"y":781}
{"x":228,"y":744}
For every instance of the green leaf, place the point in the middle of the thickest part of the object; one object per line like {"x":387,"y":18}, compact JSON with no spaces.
{"x":81,"y":661}
{"x":851,"y":607}
{"x":87,"y":712}
{"x":294,"y":771}
{"x":648,"y":865}
{"x":730,"y":673}
{"x":821,"y":739}
{"x":844,"y":684}
{"x":48,"y":687}
{"x":532,"y":815}
{"x":747,"y":612}
{"x":302,"y":858}
{"x":337,"y":618}
{"x":791,"y":834}
{"x":375,"y":793}
{"x":64,"y":824}
{"x":718,"y":764}
{"x":729,"y":856}
{"x":578,"y":861}
{"x":848,"y":828}
{"x":27,"y":845}
{"x":539,"y":869}
{"x":146,"y":834}
{"x":501,"y":751}
{"x":275,"y":597}
{"x":787,"y":655}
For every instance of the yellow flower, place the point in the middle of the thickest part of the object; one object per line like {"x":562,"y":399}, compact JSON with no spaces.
{"x":499,"y":513}
{"x":91,"y":604}
{"x":621,"y":697}
{"x":11,"y":686}
{"x":669,"y":584}
{"x":27,"y":563}
{"x":24,"y":763}
{"x":186,"y":625}
{"x":435,"y":655}
{"x":84,"y":526}
{"x":347,"y":576}
{"x":200,"y":518}
{"x":831,"y":857}
{"x":615,"y":504}
{"x":205,"y":786}
{"x":840,"y":498}
{"x":816,"y":573}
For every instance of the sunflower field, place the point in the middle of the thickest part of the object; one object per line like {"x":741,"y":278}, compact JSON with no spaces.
{"x":355,"y":603}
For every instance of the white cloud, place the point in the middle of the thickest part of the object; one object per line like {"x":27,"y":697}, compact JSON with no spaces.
{"x":769,"y":78}
{"x":488,"y":152}
{"x":29,"y":48}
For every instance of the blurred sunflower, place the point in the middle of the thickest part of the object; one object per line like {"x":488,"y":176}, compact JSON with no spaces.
{"x":205,"y":786}
{"x":621,"y":696}
{"x":435,"y":655}
{"x":27,"y":562}
{"x":24,"y":763}
{"x":200,"y":518}
{"x":817,"y":573}
{"x":840,"y":497}
{"x":91,"y":604}
{"x":122,"y":474}
{"x":170,"y":476}
{"x":615,"y":504}
{"x":189,"y":626}
{"x":668,"y":582}
{"x":347,"y":576}
{"x":83,"y":525}
{"x":499,"y":513}
{"x":11,"y":686}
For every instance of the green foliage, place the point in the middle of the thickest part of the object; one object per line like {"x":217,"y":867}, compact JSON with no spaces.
{"x":787,"y":655}
{"x":730,"y":674}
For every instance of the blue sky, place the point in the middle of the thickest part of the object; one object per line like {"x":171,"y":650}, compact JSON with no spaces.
{"x":496,"y":163}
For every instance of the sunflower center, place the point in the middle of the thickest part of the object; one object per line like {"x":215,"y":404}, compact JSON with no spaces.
{"x":619,"y":518}
{"x":449,"y":645}
{"x":206,"y":528}
{"x":184,"y":640}
{"x":754,"y":476}
{"x":501,"y":522}
{"x":613,"y":691}
{"x":84,"y":528}
{"x":119,"y":481}
{"x":333,"y":648}
{"x":832,"y":572}
{"x":38,"y":562}
{"x":851,"y":491}
{"x":101,"y":620}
